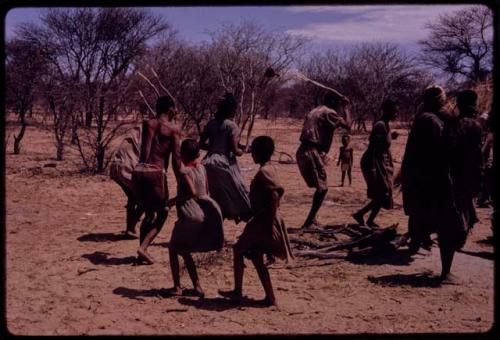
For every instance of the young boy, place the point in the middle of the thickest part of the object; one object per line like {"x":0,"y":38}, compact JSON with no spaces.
{"x":265,"y":233}
{"x":345,"y":158}
{"x":199,"y":224}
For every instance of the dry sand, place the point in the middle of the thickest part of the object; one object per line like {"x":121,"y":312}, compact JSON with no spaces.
{"x":69,"y":271}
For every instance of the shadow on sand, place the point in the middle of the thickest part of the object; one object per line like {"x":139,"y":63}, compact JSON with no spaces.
{"x":101,"y":258}
{"x":220,"y":304}
{"x":217,"y":304}
{"x":488,"y":241}
{"x":104,"y":237}
{"x":482,"y":254}
{"x":139,"y":294}
{"x":400,"y":257}
{"x":425,"y":279}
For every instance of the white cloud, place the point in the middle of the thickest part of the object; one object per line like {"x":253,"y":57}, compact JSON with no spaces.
{"x":399,"y":24}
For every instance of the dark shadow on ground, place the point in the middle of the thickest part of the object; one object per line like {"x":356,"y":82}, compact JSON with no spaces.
{"x":482,"y":254}
{"x":104,"y":237}
{"x":161,"y":244}
{"x":219,"y":304}
{"x":139,"y":294}
{"x":400,"y":257}
{"x":487,"y":241}
{"x":101,"y":258}
{"x":424,"y":279}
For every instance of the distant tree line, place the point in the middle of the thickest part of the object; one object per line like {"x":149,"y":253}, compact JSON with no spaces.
{"x":93,"y":71}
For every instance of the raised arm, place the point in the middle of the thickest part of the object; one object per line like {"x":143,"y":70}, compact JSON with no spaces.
{"x":148,"y":131}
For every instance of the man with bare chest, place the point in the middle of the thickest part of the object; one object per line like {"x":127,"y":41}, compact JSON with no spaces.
{"x":160,"y":139}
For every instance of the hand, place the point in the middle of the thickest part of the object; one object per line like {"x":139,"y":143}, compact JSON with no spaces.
{"x":394,"y":134}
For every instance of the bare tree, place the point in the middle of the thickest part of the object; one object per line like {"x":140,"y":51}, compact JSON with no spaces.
{"x":460,"y":44}
{"x":243,"y":53}
{"x":190,"y":75}
{"x":93,"y":51}
{"x":24,"y":65}
{"x":367,"y":74}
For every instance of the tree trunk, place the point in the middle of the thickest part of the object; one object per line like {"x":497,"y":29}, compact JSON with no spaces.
{"x":88,"y":119}
{"x":100,"y":158}
{"x":19,"y":137}
{"x":60,"y":150}
{"x":74,"y":129}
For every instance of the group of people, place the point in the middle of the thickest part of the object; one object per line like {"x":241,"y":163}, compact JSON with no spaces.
{"x":440,"y":177}
{"x":207,"y":193}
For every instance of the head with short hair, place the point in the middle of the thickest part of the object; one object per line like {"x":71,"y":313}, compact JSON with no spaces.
{"x":190,"y":150}
{"x":163,"y":104}
{"x":390,"y":109}
{"x":467,"y":102}
{"x":346,"y":139}
{"x":332,"y":100}
{"x":226,"y":107}
{"x":262,"y":149}
{"x":434,"y":98}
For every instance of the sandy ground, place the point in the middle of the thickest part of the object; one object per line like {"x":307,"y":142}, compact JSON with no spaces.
{"x":69,"y":270}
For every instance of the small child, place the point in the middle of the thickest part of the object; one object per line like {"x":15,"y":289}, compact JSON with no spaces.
{"x":199,"y":224}
{"x":265,"y":233}
{"x":346,"y":158}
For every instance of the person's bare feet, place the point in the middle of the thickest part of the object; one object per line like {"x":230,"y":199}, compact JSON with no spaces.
{"x":174,"y":291}
{"x":130,"y":234}
{"x":268,"y":302}
{"x":231,"y":294}
{"x":313,"y":223}
{"x":358,"y":218}
{"x":449,"y":279}
{"x":144,"y":258}
{"x":372,"y":225}
{"x":198,"y":291}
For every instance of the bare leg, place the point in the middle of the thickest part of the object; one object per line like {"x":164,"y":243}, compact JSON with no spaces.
{"x":239,"y":268}
{"x":358,"y":216}
{"x":146,"y":225}
{"x":376,"y":206}
{"x":265,"y":279}
{"x":174,"y":267}
{"x":161,"y":216}
{"x":349,"y":175}
{"x":343,"y":178}
{"x":134,"y":212}
{"x":318,"y":198}
{"x":191,"y":268}
{"x":446,"y":261}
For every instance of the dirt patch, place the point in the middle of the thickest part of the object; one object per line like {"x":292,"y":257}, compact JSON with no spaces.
{"x":69,"y":271}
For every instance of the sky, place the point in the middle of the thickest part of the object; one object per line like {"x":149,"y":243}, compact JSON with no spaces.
{"x":327,"y":27}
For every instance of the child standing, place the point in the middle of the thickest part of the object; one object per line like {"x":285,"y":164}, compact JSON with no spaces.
{"x":265,"y":233}
{"x":345,"y":158}
{"x":199,"y":224}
